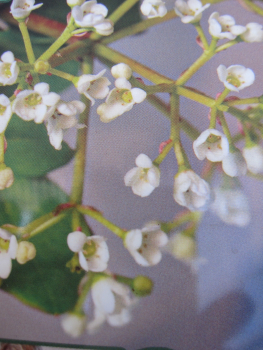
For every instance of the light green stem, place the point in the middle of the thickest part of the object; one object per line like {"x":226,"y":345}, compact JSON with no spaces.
{"x":27,"y":42}
{"x":2,"y":148}
{"x":158,"y":160}
{"x":202,"y":36}
{"x":213,"y":114}
{"x":122,"y":9}
{"x":83,"y":294}
{"x":227,"y":45}
{"x":61,"y":74}
{"x":180,"y":220}
{"x":226,"y":129}
{"x":243,"y":101}
{"x":254,"y":7}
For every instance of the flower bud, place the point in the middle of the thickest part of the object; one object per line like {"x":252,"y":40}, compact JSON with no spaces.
{"x":41,"y":67}
{"x":6,"y":178}
{"x":142,"y":285}
{"x":121,"y":70}
{"x":26,"y":251}
{"x":73,"y":3}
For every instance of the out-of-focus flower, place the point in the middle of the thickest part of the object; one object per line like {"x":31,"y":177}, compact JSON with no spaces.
{"x":191,"y":191}
{"x":253,"y":33}
{"x":9,"y":69}
{"x":21,"y":9}
{"x":5,"y":112}
{"x":36,"y":104}
{"x":121,"y":70}
{"x":236,"y":77}
{"x":190,"y":11}
{"x":254,"y":158}
{"x":211,"y":144}
{"x":153,"y":8}
{"x":144,"y":178}
{"x":144,"y":245}
{"x":181,"y":246}
{"x":8,"y":250}
{"x":93,"y":251}
{"x":25,"y":251}
{"x":6,"y":178}
{"x":234,"y":163}
{"x":73,"y":324}
{"x":224,"y":27}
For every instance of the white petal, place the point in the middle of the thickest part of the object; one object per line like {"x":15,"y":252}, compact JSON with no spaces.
{"x":8,"y":57}
{"x":83,"y":262}
{"x":133,"y":239}
{"x":143,"y":161}
{"x":5,"y":234}
{"x":132,"y":176}
{"x":121,"y":70}
{"x":76,"y":240}
{"x":102,"y":296}
{"x":5,"y":264}
{"x":138,"y":95}
{"x":13,"y":247}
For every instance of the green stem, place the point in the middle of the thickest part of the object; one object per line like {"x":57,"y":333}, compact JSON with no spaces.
{"x":122,"y":9}
{"x":227,"y":45}
{"x":2,"y":148}
{"x":61,"y":74}
{"x":27,"y":42}
{"x":225,"y":128}
{"x":254,"y":7}
{"x":158,"y":160}
{"x":243,"y":101}
{"x":180,"y":220}
{"x":100,"y":218}
{"x":80,"y":156}
{"x":202,"y":36}
{"x":78,"y":308}
{"x":213,"y":114}
{"x":221,"y":98}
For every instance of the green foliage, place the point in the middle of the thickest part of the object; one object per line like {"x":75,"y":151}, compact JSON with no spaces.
{"x":44,"y":282}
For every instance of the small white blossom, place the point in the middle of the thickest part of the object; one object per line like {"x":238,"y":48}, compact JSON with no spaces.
{"x":191,"y":191}
{"x":231,"y":206}
{"x":190,"y":11}
{"x":120,"y":100}
{"x":5,"y":112}
{"x":105,"y":28}
{"x":73,"y":324}
{"x":112,"y":304}
{"x":9,"y":69}
{"x":35,"y":104}
{"x":234,"y":164}
{"x":211,"y":144}
{"x":144,"y":245}
{"x":6,"y":178}
{"x":254,"y":158}
{"x":224,"y":27}
{"x":144,"y":178}
{"x":236,"y":77}
{"x":21,"y":9}
{"x":253,"y":33}
{"x":121,"y":70}
{"x":64,"y":117}
{"x":8,"y":252}
{"x":153,"y":8}
{"x":93,"y":251}
{"x":93,"y":86}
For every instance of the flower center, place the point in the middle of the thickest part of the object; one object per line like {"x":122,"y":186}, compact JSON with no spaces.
{"x":89,"y":249}
{"x":2,"y":109}
{"x":25,"y":7}
{"x":213,"y":139}
{"x":6,"y":70}
{"x":33,"y":100}
{"x":4,"y":244}
{"x":127,"y":96}
{"x":233,"y":80}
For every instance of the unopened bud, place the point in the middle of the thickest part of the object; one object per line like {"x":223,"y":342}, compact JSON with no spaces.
{"x":26,"y":251}
{"x":41,"y":67}
{"x":6,"y":178}
{"x":121,"y":70}
{"x":142,"y":285}
{"x":73,"y":3}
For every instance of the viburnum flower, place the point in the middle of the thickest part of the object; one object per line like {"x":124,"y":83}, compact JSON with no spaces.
{"x":21,"y":9}
{"x":211,"y":144}
{"x":120,"y":100}
{"x":191,"y":191}
{"x":224,"y":27}
{"x":121,"y":70}
{"x":234,"y":163}
{"x":8,"y":249}
{"x":112,"y":303}
{"x":236,"y":77}
{"x":9,"y":69}
{"x":93,"y":86}
{"x":92,"y":251}
{"x":254,"y":158}
{"x":73,"y":324}
{"x":35,"y":104}
{"x":144,"y":244}
{"x":5,"y":112}
{"x":190,"y":11}
{"x":253,"y":33}
{"x":231,"y":206}
{"x":153,"y":8}
{"x":64,"y":117}
{"x":144,"y":178}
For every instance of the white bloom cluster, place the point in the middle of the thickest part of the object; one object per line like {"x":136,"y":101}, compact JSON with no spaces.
{"x":190,"y":11}
{"x":153,"y":8}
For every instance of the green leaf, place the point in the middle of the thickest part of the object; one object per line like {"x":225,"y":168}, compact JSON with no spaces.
{"x":29,"y":152}
{"x":44,"y":282}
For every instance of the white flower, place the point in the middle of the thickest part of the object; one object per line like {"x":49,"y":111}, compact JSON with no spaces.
{"x":93,"y":86}
{"x":112,"y":303}
{"x":5,"y":112}
{"x":8,"y":249}
{"x":253,"y":33}
{"x":181,"y":246}
{"x":153,"y":8}
{"x":144,"y":178}
{"x":224,"y":27}
{"x":254,"y":158}
{"x":234,"y":164}
{"x":93,"y":251}
{"x":73,"y":324}
{"x":21,"y":9}
{"x":211,"y":144}
{"x":9,"y":69}
{"x":64,"y":117}
{"x":35,"y":104}
{"x":191,"y":191}
{"x":120,"y":100}
{"x":144,"y":244}
{"x":121,"y":70}
{"x":231,"y":206}
{"x":105,"y":28}
{"x":6,"y":178}
{"x":190,"y":11}
{"x":25,"y":251}
{"x":235,"y":77}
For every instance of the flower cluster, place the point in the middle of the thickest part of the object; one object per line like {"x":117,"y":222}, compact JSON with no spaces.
{"x":153,"y":8}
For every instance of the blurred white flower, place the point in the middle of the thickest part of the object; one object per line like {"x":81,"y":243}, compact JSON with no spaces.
{"x":93,"y":251}
{"x":121,"y":70}
{"x":9,"y":69}
{"x":191,"y":191}
{"x":120,"y":100}
{"x":35,"y":104}
{"x":5,"y":112}
{"x":253,"y":33}
{"x":153,"y":8}
{"x":21,"y":9}
{"x":73,"y":324}
{"x":234,"y":164}
{"x":144,"y":178}
{"x":144,"y":245}
{"x":236,"y":77}
{"x":6,"y":178}
{"x":181,"y":246}
{"x":190,"y":11}
{"x":8,"y":250}
{"x":254,"y":158}
{"x":211,"y":144}
{"x":224,"y":27}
